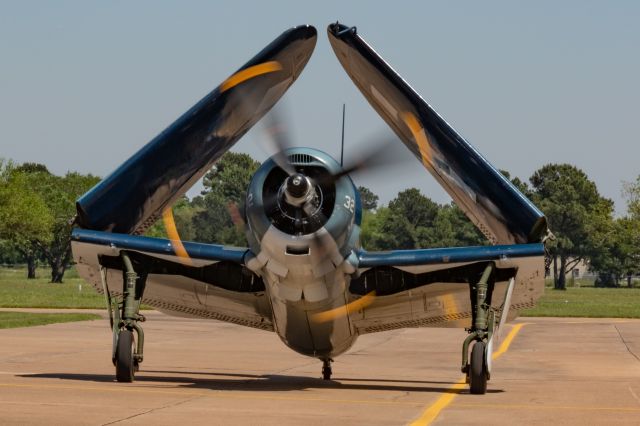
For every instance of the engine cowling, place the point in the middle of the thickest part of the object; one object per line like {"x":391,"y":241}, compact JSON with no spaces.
{"x":303,"y":204}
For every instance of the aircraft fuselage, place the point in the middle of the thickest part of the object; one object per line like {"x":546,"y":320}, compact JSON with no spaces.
{"x":306,"y":260}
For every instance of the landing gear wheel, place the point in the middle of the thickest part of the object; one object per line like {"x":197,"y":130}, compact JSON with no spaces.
{"x":126,"y":365}
{"x":478,"y":370}
{"x":326,"y":369}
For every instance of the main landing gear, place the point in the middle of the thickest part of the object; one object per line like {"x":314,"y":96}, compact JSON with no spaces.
{"x":127,"y":354}
{"x":478,"y":368}
{"x":326,"y":368}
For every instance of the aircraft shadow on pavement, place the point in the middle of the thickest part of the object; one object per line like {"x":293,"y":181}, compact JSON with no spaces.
{"x":267,"y":382}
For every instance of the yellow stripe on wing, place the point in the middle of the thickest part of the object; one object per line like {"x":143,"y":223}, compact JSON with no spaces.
{"x":176,"y":242}
{"x":420,"y":136}
{"x":248,"y":73}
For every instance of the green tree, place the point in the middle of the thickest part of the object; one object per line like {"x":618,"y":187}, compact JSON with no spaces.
{"x":414,"y":221}
{"x":631,"y":191}
{"x":578,"y":216}
{"x":521,"y":185}
{"x":225,"y":190}
{"x":452,"y":228}
{"x":368,"y":199}
{"x":230,"y":176}
{"x":619,"y":256}
{"x":419,"y":210}
{"x":25,"y":219}
{"x":183,"y":213}
{"x":384,"y":229}
{"x":59,"y":194}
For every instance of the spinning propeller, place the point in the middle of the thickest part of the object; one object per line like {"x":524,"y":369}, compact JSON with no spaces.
{"x":300,"y":200}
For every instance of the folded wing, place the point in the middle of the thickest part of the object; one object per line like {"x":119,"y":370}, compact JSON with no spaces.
{"x":134,"y":195}
{"x":492,"y":203}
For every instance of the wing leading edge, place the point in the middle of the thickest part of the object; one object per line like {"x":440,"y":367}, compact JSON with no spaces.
{"x":430,"y":287}
{"x":492,"y":203}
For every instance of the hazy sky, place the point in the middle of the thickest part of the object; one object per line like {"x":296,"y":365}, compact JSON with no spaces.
{"x":83,"y":85}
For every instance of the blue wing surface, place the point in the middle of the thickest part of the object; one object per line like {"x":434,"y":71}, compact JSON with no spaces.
{"x":159,"y":246}
{"x":492,"y":202}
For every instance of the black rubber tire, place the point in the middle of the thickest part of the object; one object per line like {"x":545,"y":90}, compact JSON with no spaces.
{"x":478,"y":370}
{"x":125,"y":365}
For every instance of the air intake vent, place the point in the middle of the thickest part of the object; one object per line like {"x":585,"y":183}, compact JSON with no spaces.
{"x":301,"y":159}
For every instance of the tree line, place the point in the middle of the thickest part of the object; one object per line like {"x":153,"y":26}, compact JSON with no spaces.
{"x":37,"y":209}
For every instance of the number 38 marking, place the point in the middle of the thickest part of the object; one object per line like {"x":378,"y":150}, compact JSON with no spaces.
{"x":349,"y":203}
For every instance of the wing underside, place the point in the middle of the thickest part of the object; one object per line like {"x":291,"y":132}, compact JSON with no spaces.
{"x":492,"y":203}
{"x":431,"y":287}
{"x":211,"y":283}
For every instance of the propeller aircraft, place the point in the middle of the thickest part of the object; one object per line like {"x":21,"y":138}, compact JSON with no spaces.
{"x":304,"y":275}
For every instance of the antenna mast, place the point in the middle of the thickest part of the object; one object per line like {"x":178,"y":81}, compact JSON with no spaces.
{"x":342,"y":144}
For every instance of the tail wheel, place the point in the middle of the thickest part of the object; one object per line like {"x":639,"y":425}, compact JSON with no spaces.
{"x":125,"y":364}
{"x":326,"y":373}
{"x":478,"y":369}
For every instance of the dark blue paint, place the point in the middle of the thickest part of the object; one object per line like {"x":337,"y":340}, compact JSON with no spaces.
{"x":159,"y":245}
{"x":136,"y":193}
{"x":447,"y":255}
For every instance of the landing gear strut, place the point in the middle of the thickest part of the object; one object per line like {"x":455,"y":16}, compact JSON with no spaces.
{"x":326,"y":368}
{"x":481,"y":333}
{"x":126,"y":354}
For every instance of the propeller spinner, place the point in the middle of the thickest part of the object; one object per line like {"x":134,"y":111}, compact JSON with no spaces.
{"x":298,"y":190}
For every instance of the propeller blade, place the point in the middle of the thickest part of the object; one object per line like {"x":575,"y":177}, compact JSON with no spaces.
{"x":236,"y":216}
{"x":381,"y":152}
{"x":174,"y":237}
{"x":277,"y":130}
{"x":345,"y":310}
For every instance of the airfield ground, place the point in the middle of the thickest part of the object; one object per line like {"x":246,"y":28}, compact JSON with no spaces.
{"x":556,"y":371}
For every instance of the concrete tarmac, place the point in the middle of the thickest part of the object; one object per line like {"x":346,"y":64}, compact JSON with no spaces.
{"x":556,"y":371}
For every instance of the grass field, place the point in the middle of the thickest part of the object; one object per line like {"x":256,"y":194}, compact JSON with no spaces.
{"x":588,"y":302}
{"x":24,"y":319}
{"x":18,"y":292}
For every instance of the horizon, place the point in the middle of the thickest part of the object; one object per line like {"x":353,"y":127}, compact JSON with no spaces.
{"x":86,"y":86}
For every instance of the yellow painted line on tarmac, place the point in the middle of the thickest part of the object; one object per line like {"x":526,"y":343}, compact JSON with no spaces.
{"x":212,"y":394}
{"x":432,"y":412}
{"x":507,"y":340}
